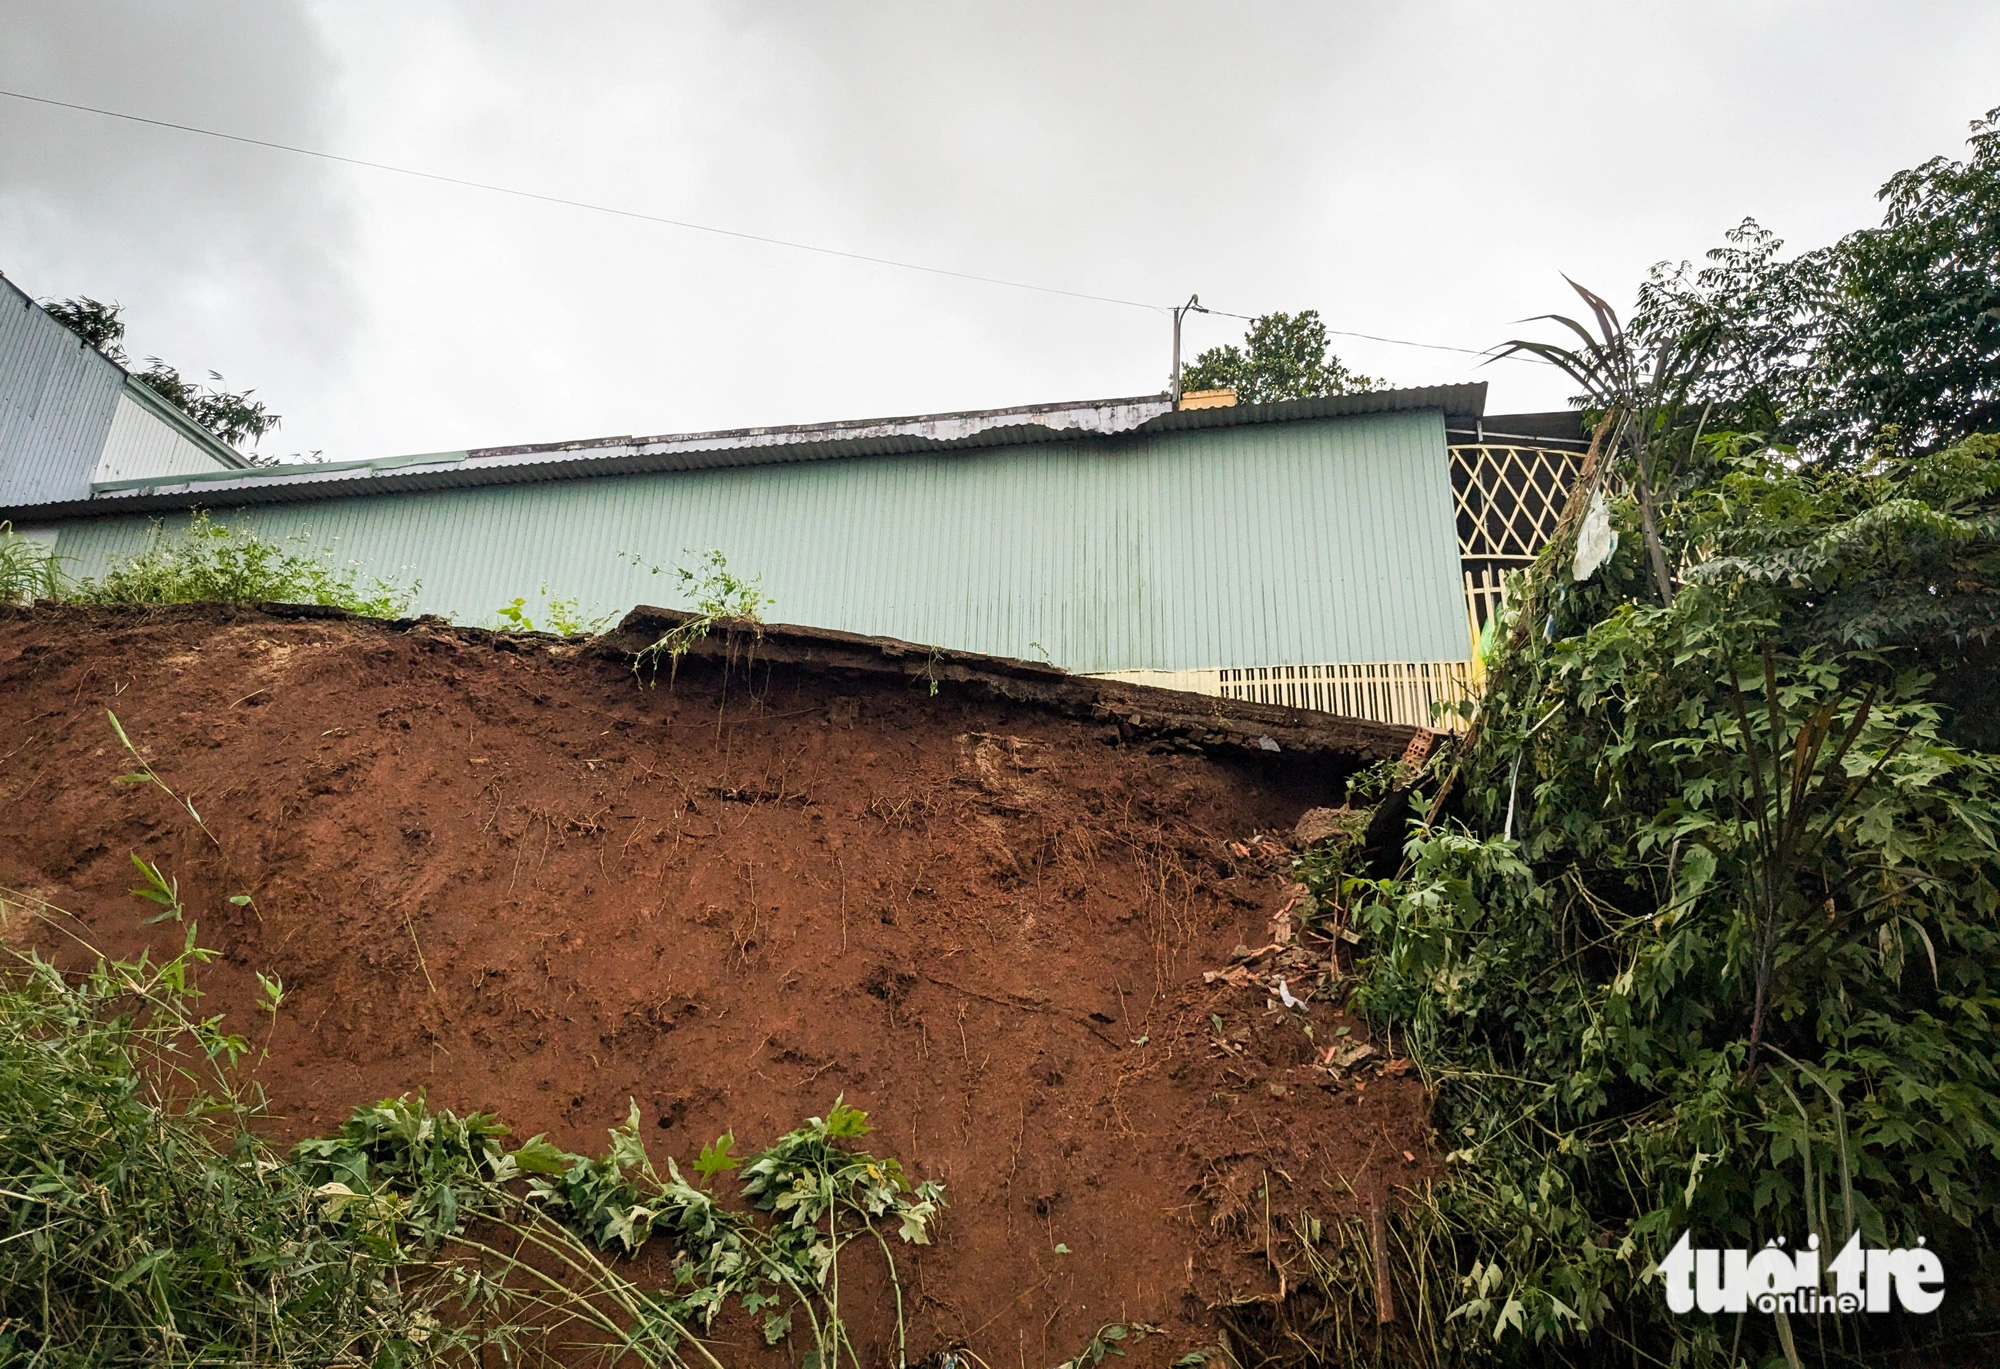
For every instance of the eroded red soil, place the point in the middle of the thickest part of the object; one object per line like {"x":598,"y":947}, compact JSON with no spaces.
{"x":504,"y":873}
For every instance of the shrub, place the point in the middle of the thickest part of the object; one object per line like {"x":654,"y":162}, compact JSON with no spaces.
{"x":211,"y":562}
{"x":1715,"y":942}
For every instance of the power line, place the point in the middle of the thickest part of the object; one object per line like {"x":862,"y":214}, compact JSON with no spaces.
{"x":1398,"y":341}
{"x":688,"y":224}
{"x":584,"y":204}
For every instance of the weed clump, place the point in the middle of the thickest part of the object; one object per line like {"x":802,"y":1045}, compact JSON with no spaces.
{"x":819,"y":1194}
{"x":717,"y":593}
{"x":565,"y":617}
{"x":144,"y":1222}
{"x":29,"y":569}
{"x":211,"y":562}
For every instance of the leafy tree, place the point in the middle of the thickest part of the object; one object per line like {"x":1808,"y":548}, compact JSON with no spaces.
{"x":1890,"y":336}
{"x":1286,"y":358}
{"x":96,"y":322}
{"x":1708,"y":935}
{"x":233,"y":416}
{"x":1714,"y":940}
{"x":1703,"y":929}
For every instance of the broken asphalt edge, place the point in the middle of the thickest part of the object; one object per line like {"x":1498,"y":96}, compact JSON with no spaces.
{"x":1139,"y":712}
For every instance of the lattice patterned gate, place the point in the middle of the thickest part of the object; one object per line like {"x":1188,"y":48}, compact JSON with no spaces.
{"x":1509,"y":498}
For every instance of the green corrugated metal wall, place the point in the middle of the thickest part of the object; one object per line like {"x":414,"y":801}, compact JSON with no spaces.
{"x":1320,"y":540}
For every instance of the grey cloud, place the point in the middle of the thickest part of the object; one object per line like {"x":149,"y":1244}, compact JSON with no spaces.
{"x":218,"y":251}
{"x":1122,"y":132}
{"x":1424,"y":170}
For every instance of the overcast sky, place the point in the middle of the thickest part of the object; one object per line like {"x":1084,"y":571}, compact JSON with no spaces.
{"x":1424,"y":171}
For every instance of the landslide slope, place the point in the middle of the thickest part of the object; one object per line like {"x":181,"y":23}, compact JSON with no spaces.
{"x":503,"y":871}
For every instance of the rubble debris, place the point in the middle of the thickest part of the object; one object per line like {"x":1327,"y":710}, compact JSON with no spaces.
{"x":1346,"y":1055}
{"x":1326,"y":824}
{"x":1421,"y":745}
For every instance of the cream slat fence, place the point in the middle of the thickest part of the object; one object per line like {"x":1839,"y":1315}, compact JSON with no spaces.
{"x":1415,"y":693}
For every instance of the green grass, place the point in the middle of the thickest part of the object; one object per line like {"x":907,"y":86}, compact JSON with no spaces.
{"x":29,"y":569}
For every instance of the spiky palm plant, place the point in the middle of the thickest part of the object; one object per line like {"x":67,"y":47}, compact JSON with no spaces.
{"x":1638,"y":388}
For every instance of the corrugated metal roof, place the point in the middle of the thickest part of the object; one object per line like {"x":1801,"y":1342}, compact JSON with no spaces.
{"x":1175,"y":546}
{"x":1090,"y":415}
{"x":66,"y":407}
{"x":57,"y":397}
{"x":184,"y":428}
{"x":1113,"y":419}
{"x":149,"y":438}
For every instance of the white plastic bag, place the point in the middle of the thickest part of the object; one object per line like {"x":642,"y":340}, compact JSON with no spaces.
{"x":1596,"y":540}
